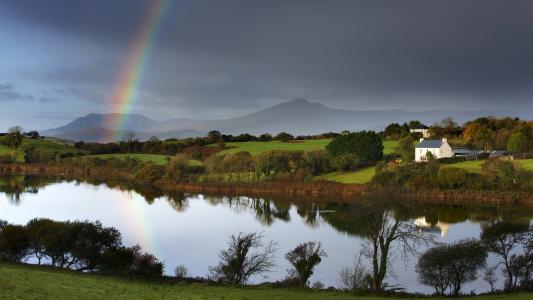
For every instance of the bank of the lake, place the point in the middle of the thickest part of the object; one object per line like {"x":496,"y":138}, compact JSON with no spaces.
{"x":35,"y":282}
{"x":314,"y":189}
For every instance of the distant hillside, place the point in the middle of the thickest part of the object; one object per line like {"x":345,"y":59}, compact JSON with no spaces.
{"x":134,"y":122}
{"x":298,"y":117}
{"x":104,"y":135}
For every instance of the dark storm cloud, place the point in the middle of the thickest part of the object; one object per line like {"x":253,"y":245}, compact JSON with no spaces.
{"x":8,"y":92}
{"x":347,"y":53}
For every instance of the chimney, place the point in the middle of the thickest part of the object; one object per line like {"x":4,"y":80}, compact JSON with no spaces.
{"x":444,"y":140}
{"x":421,"y":140}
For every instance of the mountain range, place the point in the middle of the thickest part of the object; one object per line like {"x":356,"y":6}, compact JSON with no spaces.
{"x":298,"y":117}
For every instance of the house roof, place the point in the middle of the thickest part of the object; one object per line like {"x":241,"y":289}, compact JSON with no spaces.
{"x":430,"y":144}
{"x":463,"y":150}
{"x":419,"y":127}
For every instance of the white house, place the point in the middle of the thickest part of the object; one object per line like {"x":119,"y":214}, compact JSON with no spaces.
{"x":439,"y":149}
{"x":424,"y":130}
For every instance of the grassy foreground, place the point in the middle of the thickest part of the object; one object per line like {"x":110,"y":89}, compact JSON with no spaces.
{"x":32,"y":282}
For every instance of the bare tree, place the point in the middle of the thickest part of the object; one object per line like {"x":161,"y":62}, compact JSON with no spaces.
{"x":354,"y":277}
{"x":238,"y":263}
{"x":491,"y":278}
{"x":382,"y":231}
{"x":129,"y":139}
{"x":304,"y":258}
{"x":502,"y":239}
{"x":181,"y":271}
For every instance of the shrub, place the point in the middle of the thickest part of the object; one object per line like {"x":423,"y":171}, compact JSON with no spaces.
{"x":149,"y":172}
{"x":451,"y":160}
{"x":448,"y":267}
{"x":14,"y":243}
{"x":304,"y":258}
{"x":238,"y":263}
{"x":452,"y":177}
{"x":345,"y":162}
{"x":8,"y":158}
{"x":145,"y":266}
{"x":34,"y":156}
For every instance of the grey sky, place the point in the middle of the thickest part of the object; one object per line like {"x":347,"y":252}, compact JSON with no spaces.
{"x":61,"y":58}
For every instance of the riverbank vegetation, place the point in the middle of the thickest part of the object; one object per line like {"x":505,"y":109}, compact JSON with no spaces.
{"x":382,"y":159}
{"x":385,"y":228}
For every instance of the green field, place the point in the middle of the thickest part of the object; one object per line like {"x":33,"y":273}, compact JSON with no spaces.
{"x":474,"y":166}
{"x":360,"y":176}
{"x":306,"y":145}
{"x":47,"y":146}
{"x":32,"y":282}
{"x":156,"y":158}
{"x":388,"y":146}
{"x":259,"y":147}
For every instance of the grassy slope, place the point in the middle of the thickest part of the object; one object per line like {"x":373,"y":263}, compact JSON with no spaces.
{"x":259,"y":147}
{"x":43,"y":145}
{"x":308,"y":145}
{"x":359,"y":176}
{"x":31,"y":282}
{"x":156,"y":158}
{"x":474,"y":166}
{"x":388,"y":146}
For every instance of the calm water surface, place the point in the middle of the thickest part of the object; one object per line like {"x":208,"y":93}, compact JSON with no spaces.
{"x":192,"y":229}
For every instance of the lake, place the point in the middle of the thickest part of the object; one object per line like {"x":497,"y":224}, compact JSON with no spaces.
{"x":192,"y":229}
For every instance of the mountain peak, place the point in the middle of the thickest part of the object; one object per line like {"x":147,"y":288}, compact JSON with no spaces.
{"x":299,"y":101}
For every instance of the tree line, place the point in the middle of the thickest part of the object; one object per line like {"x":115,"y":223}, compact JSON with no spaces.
{"x":445,"y":267}
{"x":79,"y":245}
{"x":486,"y":133}
{"x":495,"y":174}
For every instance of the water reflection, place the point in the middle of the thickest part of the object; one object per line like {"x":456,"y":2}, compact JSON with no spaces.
{"x":181,"y":228}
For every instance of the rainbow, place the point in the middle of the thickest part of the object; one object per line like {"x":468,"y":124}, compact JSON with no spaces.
{"x":133,"y":211}
{"x":126,"y":90}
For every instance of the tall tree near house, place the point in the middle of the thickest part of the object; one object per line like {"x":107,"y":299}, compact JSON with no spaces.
{"x":406,"y":148}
